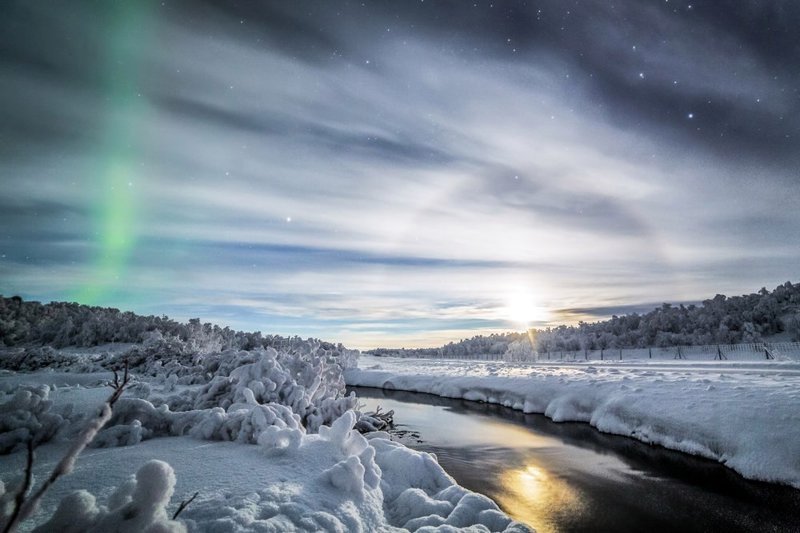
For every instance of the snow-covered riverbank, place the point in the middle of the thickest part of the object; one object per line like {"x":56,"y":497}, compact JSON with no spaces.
{"x":747,"y":416}
{"x":264,"y":437}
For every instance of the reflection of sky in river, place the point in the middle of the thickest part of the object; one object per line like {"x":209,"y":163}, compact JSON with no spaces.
{"x":532,"y":470}
{"x":570,"y":477}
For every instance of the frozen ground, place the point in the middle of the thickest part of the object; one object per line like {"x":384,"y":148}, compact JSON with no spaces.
{"x":744,"y":415}
{"x":265,"y":438}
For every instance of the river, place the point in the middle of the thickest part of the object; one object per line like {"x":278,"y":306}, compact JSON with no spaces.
{"x":569,"y":477}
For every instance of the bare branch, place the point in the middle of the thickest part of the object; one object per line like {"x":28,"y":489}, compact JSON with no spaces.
{"x":119,"y":385}
{"x":184,"y":504}
{"x":19,"y":499}
{"x":67,"y":462}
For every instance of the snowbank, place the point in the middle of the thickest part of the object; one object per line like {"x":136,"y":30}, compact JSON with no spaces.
{"x":292,"y":459}
{"x":744,"y":416}
{"x":337,"y":480}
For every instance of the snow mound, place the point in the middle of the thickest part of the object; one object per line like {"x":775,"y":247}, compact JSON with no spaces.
{"x":138,"y":506}
{"x":357,"y":468}
{"x":362,"y":485}
{"x":421,"y":496}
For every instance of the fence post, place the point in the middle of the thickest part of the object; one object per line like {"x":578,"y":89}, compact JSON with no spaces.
{"x":620,"y":354}
{"x":649,"y":353}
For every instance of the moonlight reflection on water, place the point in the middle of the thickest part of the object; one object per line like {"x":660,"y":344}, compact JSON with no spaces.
{"x":536,"y":495}
{"x":570,"y":477}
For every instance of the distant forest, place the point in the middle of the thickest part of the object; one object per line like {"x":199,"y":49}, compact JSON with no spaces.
{"x":60,"y":325}
{"x":719,"y":320}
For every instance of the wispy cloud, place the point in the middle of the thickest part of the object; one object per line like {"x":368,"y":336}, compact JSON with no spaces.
{"x":380,"y":182}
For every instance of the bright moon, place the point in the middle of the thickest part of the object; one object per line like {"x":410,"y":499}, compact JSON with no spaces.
{"x":524,"y":309}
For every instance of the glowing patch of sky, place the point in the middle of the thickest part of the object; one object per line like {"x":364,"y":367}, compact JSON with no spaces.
{"x":115,"y":173}
{"x":294,"y":170}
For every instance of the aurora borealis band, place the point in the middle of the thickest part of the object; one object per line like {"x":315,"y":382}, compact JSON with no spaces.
{"x":400,"y":173}
{"x":114,"y":208}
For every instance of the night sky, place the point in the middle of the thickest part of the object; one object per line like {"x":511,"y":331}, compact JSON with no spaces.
{"x":397,"y":173}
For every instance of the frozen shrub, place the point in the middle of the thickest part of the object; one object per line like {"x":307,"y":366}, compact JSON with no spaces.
{"x":121,"y":435}
{"x":307,"y":381}
{"x":138,"y":506}
{"x":27,"y":415}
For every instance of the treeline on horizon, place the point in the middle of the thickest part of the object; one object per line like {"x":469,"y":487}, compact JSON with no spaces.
{"x":719,"y":320}
{"x":63,"y":324}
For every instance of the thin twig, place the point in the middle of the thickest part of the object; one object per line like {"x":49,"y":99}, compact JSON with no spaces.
{"x":119,"y":385}
{"x":19,"y":499}
{"x":67,"y":462}
{"x":184,"y":504}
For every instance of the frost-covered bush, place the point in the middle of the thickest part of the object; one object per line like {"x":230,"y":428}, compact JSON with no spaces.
{"x":61,"y":324}
{"x":148,"y":358}
{"x":250,"y":392}
{"x":121,"y":435}
{"x":31,"y":359}
{"x":27,"y":415}
{"x":243,"y":423}
{"x":374,"y":421}
{"x":309,"y":381}
{"x":35,"y":358}
{"x":520,"y":350}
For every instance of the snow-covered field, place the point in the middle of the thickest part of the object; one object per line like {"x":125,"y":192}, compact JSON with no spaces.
{"x":265,"y":438}
{"x":744,"y":415}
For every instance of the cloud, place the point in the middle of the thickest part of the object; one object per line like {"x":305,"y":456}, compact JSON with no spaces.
{"x":345,"y":180}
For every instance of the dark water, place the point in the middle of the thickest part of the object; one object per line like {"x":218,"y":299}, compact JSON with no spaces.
{"x":571,"y":477}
